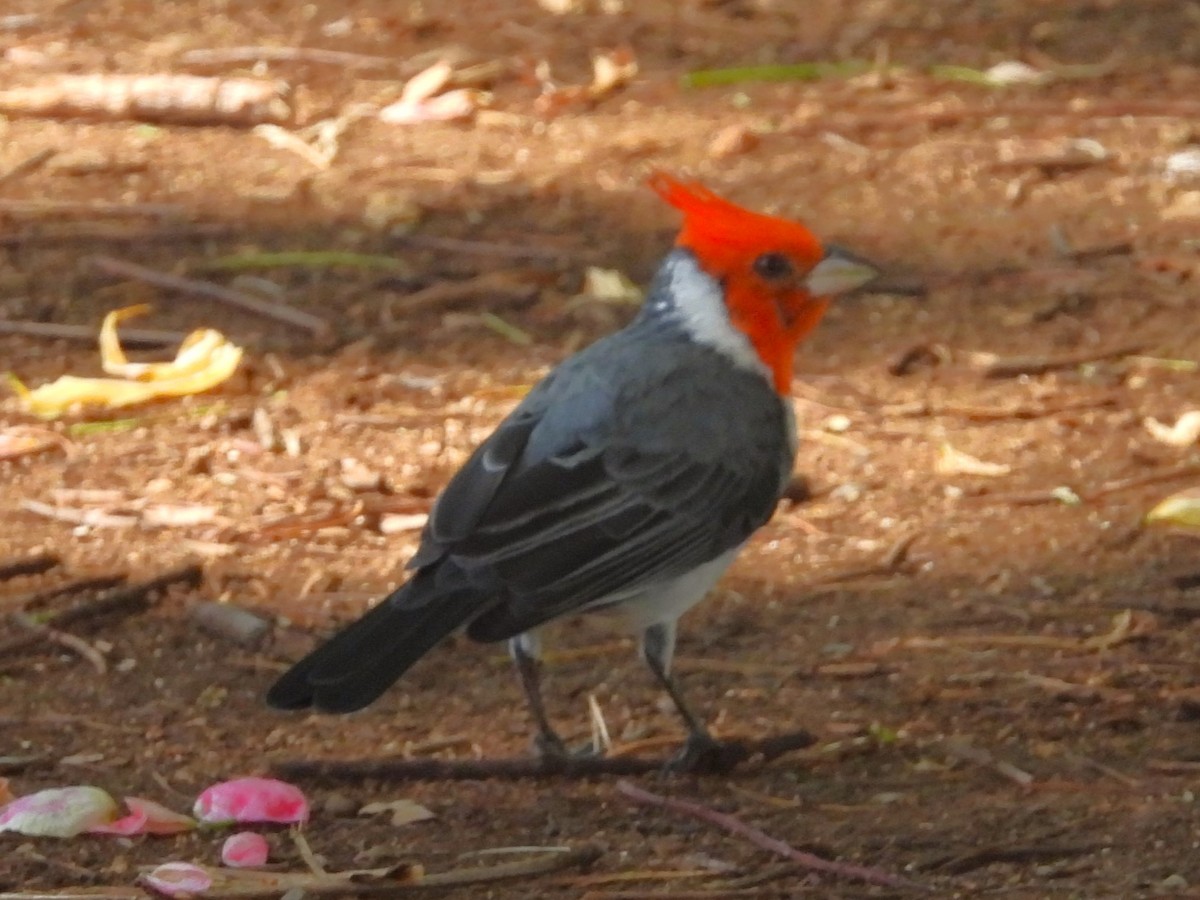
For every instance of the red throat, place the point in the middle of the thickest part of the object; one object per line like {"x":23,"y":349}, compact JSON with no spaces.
{"x":775,"y":341}
{"x":726,"y":240}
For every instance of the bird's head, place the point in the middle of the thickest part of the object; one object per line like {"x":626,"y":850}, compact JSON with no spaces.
{"x":776,"y":278}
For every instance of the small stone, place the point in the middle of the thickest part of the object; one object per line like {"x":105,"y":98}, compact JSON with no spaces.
{"x":340,"y":805}
{"x":733,"y":140}
{"x":228,"y":621}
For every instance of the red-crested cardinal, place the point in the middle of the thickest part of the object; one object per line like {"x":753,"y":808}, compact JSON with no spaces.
{"x":627,"y":480}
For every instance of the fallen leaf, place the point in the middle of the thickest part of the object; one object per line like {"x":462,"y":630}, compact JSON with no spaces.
{"x":403,"y":812}
{"x":610,"y":285}
{"x":59,"y":812}
{"x":611,"y":71}
{"x":420,"y":101}
{"x":457,"y":104}
{"x":427,"y":82}
{"x":955,"y":462}
{"x":146,"y":817}
{"x":251,"y":800}
{"x":178,"y":879}
{"x":1181,"y":510}
{"x":245,"y":850}
{"x":1184,"y":433}
{"x":205,"y":359}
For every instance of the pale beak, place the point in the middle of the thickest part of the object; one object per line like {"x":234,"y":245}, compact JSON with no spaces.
{"x":840,"y":271}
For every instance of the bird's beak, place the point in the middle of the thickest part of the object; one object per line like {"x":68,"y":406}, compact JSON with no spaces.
{"x":840,"y":271}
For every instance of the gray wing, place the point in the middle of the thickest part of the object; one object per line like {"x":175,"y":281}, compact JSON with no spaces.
{"x":590,"y":490}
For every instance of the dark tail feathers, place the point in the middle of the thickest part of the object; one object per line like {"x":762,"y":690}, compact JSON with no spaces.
{"x":363,"y":660}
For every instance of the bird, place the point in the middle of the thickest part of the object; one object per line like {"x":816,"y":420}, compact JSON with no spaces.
{"x":626,"y":481}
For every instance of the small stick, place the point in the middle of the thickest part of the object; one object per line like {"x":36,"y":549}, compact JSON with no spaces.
{"x":130,"y":337}
{"x":732,"y":754}
{"x":332,"y":885}
{"x":482,"y":248}
{"x":77,"y":645}
{"x":579,"y":858}
{"x":162,"y":97}
{"x":76,"y":208}
{"x":992,"y":366}
{"x":225,"y":55}
{"x":30,"y":164}
{"x":33,"y":565}
{"x":764,"y":841}
{"x":969,"y":753}
{"x":129,"y":599}
{"x":892,"y":562}
{"x":314,"y":325}
{"x":80,"y":234}
{"x":937,"y":117}
{"x":1125,"y":484}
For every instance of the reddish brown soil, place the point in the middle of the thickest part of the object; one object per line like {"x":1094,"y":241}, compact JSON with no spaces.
{"x":988,"y":635}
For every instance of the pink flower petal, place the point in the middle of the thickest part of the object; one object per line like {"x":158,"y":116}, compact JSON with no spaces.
{"x":251,"y":800}
{"x":178,"y":879}
{"x":147,"y":817}
{"x":244,"y":850}
{"x":59,"y":812}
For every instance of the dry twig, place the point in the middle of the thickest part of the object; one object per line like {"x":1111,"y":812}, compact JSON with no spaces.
{"x":29,"y":164}
{"x":960,"y":749}
{"x":83,"y":208}
{"x":732,"y":754}
{"x":52,"y":635}
{"x":170,"y":98}
{"x":130,"y":337}
{"x":70,"y":234}
{"x":893,"y":562}
{"x":314,"y":325}
{"x":764,"y":841}
{"x":992,"y":366}
{"x":33,"y":565}
{"x":124,"y":600}
{"x":220,"y":56}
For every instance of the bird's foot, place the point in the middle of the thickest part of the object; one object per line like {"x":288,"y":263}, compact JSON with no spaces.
{"x":701,"y":753}
{"x":551,"y":749}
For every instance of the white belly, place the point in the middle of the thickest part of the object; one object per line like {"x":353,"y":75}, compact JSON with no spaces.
{"x":669,"y":600}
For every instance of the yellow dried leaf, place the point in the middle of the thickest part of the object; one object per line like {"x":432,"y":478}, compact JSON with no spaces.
{"x":954,"y":462}
{"x":1181,"y":510}
{"x":610,"y":284}
{"x":1184,"y":433}
{"x":205,"y":359}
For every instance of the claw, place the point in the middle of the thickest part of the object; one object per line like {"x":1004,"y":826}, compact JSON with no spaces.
{"x":701,"y":753}
{"x":550,"y":747}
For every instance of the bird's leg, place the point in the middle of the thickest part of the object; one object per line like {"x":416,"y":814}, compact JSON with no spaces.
{"x":702,"y":749}
{"x":524,"y":650}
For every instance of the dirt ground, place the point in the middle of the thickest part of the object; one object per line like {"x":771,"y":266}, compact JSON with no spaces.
{"x":1000,"y":668}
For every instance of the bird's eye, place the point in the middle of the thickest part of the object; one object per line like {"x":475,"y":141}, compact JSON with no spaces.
{"x":773,"y":266}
